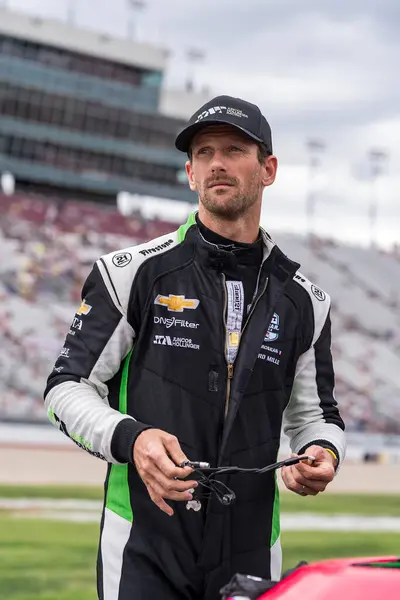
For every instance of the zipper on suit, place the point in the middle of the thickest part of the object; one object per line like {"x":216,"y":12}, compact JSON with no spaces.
{"x":228,"y":387}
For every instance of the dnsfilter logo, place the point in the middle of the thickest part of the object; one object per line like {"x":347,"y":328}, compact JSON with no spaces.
{"x":174,"y":322}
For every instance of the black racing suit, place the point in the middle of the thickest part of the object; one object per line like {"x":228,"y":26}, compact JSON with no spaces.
{"x":163,"y":338}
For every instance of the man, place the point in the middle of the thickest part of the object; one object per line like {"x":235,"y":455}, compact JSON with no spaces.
{"x":196,"y":346}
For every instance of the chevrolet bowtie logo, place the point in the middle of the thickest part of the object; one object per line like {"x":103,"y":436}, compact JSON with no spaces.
{"x":84,"y":308}
{"x":176,"y":303}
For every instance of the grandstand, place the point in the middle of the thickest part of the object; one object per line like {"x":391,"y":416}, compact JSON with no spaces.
{"x":83,"y":117}
{"x":79,"y":113}
{"x":50,"y":249}
{"x":80,"y":121}
{"x":365,"y":288}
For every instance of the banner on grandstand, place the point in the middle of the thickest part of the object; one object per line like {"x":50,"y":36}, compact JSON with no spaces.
{"x":151,"y":207}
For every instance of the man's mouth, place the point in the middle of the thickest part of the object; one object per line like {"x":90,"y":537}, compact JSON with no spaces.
{"x":220,"y":183}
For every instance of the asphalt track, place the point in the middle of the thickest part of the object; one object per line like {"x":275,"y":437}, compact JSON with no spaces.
{"x":67,"y":465}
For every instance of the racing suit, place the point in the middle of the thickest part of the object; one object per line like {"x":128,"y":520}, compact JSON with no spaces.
{"x":162,"y":339}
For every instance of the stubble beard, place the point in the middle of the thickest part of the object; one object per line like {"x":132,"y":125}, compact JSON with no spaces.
{"x":236,"y":206}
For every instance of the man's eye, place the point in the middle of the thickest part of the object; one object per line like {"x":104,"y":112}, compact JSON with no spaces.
{"x":235,"y":149}
{"x":203,"y":151}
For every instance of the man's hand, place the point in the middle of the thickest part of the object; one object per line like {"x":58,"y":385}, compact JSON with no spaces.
{"x":156,"y":454}
{"x":308,"y":479}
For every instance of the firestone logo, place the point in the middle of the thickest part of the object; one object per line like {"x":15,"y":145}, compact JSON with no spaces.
{"x":147,"y":251}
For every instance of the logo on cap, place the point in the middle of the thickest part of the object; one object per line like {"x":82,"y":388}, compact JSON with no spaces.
{"x":234,"y":112}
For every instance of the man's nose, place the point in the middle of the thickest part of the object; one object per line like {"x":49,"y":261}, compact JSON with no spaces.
{"x":217,"y":162}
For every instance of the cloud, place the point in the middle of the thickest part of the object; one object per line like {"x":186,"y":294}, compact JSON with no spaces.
{"x":323,"y":64}
{"x":317,"y":69}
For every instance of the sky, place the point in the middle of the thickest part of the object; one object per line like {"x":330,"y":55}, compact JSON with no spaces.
{"x":319,"y":70}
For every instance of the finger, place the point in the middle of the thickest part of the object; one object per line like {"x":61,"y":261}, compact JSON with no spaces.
{"x":169,"y":468}
{"x":289,"y":481}
{"x":173,"y":485}
{"x":284,"y":475}
{"x":294,"y":486}
{"x":303,"y":462}
{"x":158,"y":460}
{"x":320,"y":455}
{"x":169,"y":494}
{"x":149,"y":470}
{"x":322,"y":472}
{"x":305,"y":468}
{"x":158,"y":501}
{"x":316,"y":485}
{"x":175,"y":451}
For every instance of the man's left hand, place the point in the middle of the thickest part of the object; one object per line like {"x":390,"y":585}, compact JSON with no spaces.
{"x":309,"y":478}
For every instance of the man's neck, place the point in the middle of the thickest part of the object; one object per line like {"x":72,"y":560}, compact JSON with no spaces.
{"x":245,"y":229}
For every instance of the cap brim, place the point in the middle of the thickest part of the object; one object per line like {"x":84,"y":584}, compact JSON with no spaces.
{"x":185,"y":137}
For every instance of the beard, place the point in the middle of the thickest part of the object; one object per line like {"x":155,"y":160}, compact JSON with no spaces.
{"x":236,"y":205}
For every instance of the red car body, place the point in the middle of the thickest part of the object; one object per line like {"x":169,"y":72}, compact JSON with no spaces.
{"x":376,"y":578}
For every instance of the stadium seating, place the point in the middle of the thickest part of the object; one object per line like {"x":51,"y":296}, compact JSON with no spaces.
{"x":47,"y":248}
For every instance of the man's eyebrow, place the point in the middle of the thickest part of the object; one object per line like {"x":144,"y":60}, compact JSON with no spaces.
{"x":201,"y":145}
{"x":239,"y":141}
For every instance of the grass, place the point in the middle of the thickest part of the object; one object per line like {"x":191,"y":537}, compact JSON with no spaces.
{"x":43,"y":560}
{"x":318,"y":545}
{"x":51,"y":491}
{"x":357,"y":504}
{"x":49,"y":560}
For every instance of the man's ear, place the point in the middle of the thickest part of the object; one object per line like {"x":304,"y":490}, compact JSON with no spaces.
{"x":270,"y":169}
{"x":189,"y":173}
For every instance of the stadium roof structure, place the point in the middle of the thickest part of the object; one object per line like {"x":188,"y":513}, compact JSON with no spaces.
{"x":62,"y":35}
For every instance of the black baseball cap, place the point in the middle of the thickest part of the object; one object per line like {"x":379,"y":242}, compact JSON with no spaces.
{"x":229,"y":111}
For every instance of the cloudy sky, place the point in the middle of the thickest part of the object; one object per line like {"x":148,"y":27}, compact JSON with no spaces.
{"x":319,"y":69}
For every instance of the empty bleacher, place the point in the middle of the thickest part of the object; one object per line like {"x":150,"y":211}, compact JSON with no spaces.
{"x":47,"y":248}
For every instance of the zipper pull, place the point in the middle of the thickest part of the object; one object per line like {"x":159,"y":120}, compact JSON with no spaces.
{"x":228,"y":387}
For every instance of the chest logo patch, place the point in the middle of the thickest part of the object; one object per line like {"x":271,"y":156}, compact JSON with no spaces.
{"x":273,"y":330}
{"x":176,"y":303}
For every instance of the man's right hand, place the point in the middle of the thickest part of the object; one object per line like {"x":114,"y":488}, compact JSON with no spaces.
{"x":156,"y":454}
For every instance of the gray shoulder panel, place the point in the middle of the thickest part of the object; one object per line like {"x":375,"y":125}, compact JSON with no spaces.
{"x":320,"y":300}
{"x":119,"y":268}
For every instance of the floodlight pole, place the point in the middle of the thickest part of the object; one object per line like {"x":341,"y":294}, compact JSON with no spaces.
{"x":71,"y":13}
{"x":193,"y":55}
{"x":377,"y":160}
{"x":315,"y":149}
{"x":134,"y":8}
